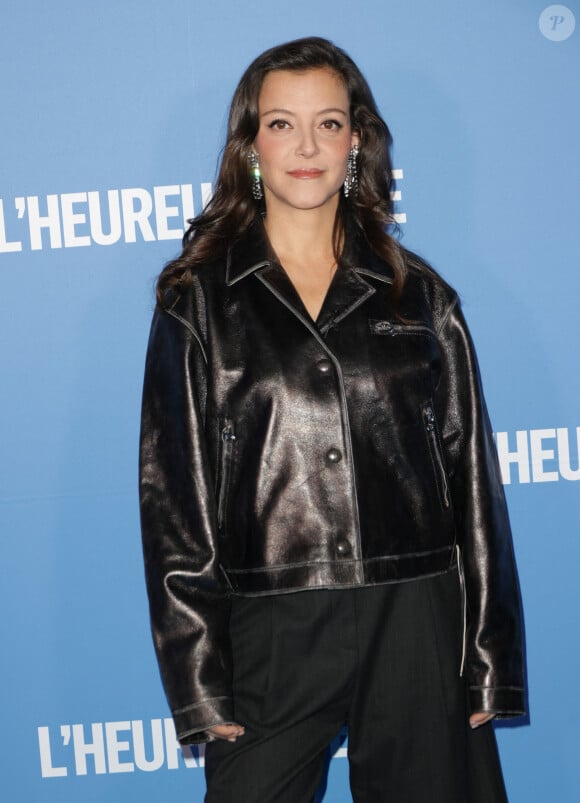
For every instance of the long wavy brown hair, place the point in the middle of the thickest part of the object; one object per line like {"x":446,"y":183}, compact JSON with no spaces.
{"x":232,"y":209}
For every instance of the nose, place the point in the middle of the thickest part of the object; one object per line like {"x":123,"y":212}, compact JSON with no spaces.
{"x":307,"y":145}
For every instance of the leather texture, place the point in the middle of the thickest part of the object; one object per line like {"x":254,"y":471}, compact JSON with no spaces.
{"x":279,"y":453}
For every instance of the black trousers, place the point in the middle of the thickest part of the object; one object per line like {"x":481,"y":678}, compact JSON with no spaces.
{"x":385,"y":660}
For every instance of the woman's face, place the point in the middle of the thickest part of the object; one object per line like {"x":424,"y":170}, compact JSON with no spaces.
{"x":304,"y":138}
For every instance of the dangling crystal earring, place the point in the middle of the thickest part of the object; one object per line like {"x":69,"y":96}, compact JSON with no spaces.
{"x":257,"y":191}
{"x":351,"y":178}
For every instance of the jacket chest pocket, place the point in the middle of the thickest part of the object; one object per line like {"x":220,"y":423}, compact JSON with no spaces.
{"x":228,"y":440}
{"x":436,"y":453}
{"x":391,"y":329}
{"x":405,"y":351}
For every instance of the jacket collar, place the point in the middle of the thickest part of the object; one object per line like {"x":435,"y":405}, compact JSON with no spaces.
{"x":252,"y":254}
{"x":248,"y":253}
{"x":252,"y":251}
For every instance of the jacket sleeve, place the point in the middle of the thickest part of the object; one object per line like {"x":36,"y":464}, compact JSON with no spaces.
{"x":494,"y":653}
{"x":189,"y":605}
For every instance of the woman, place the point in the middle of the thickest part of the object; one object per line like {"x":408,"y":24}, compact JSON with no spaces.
{"x":325,"y":532}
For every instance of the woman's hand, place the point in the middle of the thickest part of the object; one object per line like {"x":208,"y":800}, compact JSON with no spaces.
{"x":475,"y":720}
{"x":228,"y":732}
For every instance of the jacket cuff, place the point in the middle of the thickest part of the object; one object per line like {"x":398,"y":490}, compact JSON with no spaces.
{"x":503,"y":701}
{"x":192,"y":721}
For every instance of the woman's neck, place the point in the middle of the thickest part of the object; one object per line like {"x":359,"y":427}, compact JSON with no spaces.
{"x":303,"y":242}
{"x":302,"y":236}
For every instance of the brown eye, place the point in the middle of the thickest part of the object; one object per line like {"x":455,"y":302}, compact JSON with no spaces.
{"x":331,"y":125}
{"x":279,"y":125}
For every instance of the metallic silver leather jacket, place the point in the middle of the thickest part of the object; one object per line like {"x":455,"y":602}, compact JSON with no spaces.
{"x":280,"y":454}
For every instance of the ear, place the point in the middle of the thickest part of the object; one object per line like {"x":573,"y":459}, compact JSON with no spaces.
{"x":355,"y":139}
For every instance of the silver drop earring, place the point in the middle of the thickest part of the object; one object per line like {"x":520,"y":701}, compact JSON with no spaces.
{"x":351,"y":178}
{"x":256,"y":176}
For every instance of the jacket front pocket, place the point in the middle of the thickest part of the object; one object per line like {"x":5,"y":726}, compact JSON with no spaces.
{"x":430,"y":426}
{"x":228,"y":439}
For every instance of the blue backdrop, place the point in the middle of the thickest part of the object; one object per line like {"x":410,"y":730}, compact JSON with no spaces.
{"x":113,"y":115}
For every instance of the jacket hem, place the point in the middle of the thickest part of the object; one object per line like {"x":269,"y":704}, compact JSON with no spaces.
{"x":392,"y":569}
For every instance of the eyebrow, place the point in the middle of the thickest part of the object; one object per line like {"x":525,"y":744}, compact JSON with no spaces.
{"x":292,"y":114}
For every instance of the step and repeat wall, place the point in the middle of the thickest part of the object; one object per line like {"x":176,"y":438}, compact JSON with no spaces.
{"x":113,"y":116}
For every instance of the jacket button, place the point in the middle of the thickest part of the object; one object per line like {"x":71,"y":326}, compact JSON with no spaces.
{"x":334,"y":455}
{"x":323,"y":367}
{"x":343,"y":547}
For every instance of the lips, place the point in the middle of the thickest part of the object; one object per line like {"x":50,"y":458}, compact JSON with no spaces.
{"x":305,"y":173}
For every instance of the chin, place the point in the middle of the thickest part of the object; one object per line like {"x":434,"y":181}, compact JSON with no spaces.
{"x":307,"y":200}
